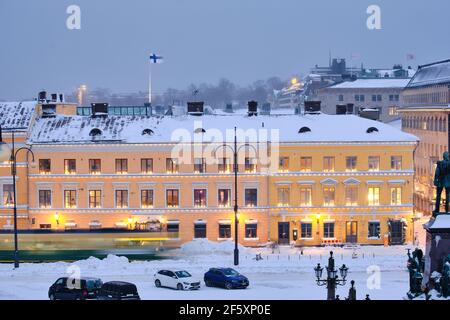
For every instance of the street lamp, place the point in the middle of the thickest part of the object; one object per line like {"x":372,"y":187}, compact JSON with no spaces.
{"x":235,"y":151}
{"x":332,"y":279}
{"x":11,"y":154}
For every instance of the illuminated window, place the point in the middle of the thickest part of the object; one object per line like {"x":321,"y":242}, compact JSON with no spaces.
{"x":45,"y":199}
{"x":396,"y":163}
{"x":147,"y":165}
{"x":95,"y":198}
{"x":328,"y":164}
{"x":172,"y":165}
{"x":199,"y":165}
{"x":251,"y":230}
{"x":283,"y":164}
{"x":306,"y":230}
{"x":44,"y":166}
{"x":328,"y":230}
{"x":351,"y":195}
{"x":70,"y":199}
{"x":350,"y":163}
{"x":283,"y":196}
{"x":200,"y":198}
{"x":121,"y":198}
{"x":70,"y":166}
{"x":251,"y":197}
{"x":224,"y":165}
{"x":374,"y":196}
{"x":172,"y":198}
{"x":250,"y":165}
{"x":95,"y":166}
{"x":374,"y":163}
{"x":305,"y":164}
{"x":147,"y":198}
{"x":8,"y":195}
{"x":305,"y":196}
{"x":396,"y":195}
{"x":121,"y":166}
{"x":328,"y":196}
{"x":224,"y":198}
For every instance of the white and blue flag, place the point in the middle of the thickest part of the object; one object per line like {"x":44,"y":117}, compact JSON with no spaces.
{"x":154,"y":58}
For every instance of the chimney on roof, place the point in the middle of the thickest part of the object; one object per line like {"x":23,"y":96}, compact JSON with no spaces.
{"x":252,"y":108}
{"x":265,"y":109}
{"x":312,"y":107}
{"x":99,"y":110}
{"x":229,"y":108}
{"x":195,"y":108}
{"x":370,"y":113}
{"x":42,"y":97}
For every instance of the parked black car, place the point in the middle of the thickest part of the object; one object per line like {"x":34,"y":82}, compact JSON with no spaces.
{"x":75,"y":289}
{"x":118,"y":290}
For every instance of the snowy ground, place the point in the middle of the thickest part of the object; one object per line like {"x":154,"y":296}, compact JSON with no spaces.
{"x":285,"y":274}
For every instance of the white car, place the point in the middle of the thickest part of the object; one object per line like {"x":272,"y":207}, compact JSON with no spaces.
{"x":180,"y":280}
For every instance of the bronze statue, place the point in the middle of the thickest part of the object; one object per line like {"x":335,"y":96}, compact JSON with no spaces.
{"x":442,"y":181}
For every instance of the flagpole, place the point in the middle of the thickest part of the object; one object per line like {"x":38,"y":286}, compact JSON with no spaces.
{"x":150,"y":82}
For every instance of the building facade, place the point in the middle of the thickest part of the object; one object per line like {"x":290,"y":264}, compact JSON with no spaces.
{"x":383,"y":94}
{"x":311,"y":179}
{"x":426,"y":114}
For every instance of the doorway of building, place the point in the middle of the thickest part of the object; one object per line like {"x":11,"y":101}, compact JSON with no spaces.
{"x":283,"y":232}
{"x":351,"y":232}
{"x":396,"y":232}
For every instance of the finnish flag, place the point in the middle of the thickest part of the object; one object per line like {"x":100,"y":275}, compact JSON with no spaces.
{"x":155,"y":58}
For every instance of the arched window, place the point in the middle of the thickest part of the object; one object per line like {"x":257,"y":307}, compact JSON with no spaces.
{"x":148,"y":132}
{"x":95,"y":132}
{"x":304,"y":129}
{"x":199,"y":130}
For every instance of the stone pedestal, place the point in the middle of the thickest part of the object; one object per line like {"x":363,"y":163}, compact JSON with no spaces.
{"x":437,"y":245}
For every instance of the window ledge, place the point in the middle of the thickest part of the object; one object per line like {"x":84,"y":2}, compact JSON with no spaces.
{"x":224,"y":239}
{"x":251,"y":239}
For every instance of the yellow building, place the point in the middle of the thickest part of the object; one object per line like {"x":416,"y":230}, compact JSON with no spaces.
{"x":303,"y":179}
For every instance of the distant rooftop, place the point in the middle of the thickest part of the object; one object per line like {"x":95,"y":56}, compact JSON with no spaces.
{"x":372,"y":83}
{"x":431,"y":74}
{"x":16,"y":115}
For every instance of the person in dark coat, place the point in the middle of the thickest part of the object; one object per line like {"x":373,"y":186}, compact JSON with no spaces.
{"x":442,"y":181}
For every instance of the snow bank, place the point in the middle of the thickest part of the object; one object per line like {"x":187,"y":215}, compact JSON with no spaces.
{"x":206,"y":247}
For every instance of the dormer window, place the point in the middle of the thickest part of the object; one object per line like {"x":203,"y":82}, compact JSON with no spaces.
{"x":304,"y":129}
{"x":148,"y":132}
{"x":372,"y":129}
{"x":95,"y":132}
{"x":200,"y":130}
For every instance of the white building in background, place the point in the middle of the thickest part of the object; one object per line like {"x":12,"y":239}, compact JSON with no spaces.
{"x":383,"y":94}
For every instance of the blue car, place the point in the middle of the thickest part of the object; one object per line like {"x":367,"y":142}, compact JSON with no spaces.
{"x":225,"y":277}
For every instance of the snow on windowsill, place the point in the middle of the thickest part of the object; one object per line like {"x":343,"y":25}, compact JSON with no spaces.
{"x":251,"y":239}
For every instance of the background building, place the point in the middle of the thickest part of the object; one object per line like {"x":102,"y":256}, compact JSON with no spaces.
{"x":382,"y":94}
{"x":426,"y":115}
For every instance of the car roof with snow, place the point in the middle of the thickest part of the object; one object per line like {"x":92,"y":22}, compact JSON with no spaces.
{"x":289,"y":128}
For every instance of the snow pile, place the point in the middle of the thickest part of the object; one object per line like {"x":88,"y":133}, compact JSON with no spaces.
{"x":204,"y":246}
{"x":92,"y":263}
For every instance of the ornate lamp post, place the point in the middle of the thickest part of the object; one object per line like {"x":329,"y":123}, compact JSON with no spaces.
{"x":235,"y":151}
{"x":10,"y":154}
{"x":332,"y":279}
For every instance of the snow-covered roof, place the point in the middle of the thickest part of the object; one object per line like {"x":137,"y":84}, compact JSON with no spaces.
{"x":431,"y":74}
{"x":372,"y":83}
{"x":16,"y":115}
{"x":129,"y":129}
{"x":442,"y":221}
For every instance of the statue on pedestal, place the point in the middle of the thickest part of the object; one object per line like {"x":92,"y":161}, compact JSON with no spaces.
{"x":442,"y":181}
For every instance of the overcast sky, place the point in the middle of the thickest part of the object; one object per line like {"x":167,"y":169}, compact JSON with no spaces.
{"x":204,"y":40}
